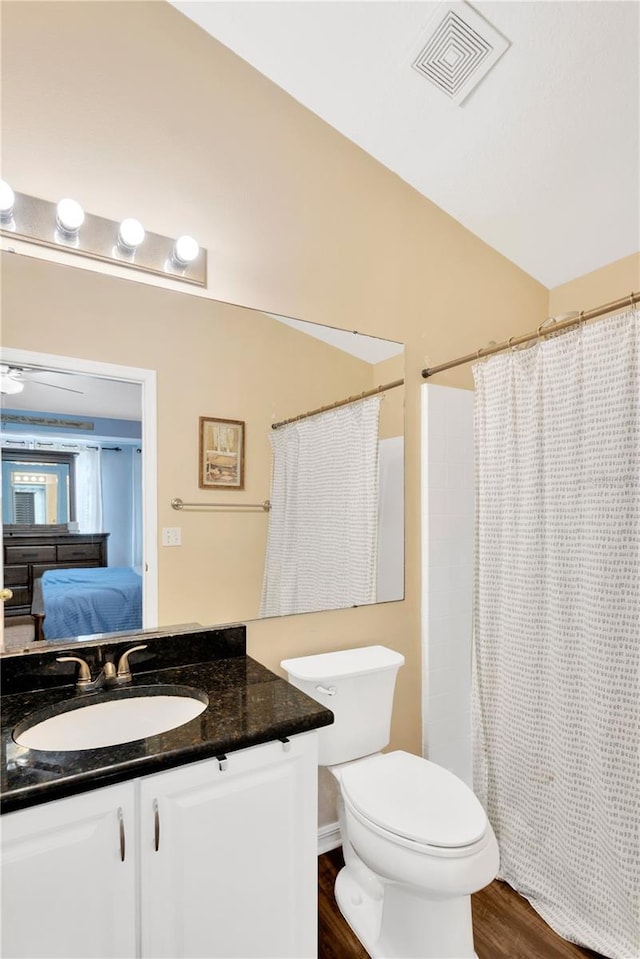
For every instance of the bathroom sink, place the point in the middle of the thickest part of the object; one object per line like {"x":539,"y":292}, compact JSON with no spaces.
{"x":111,"y":718}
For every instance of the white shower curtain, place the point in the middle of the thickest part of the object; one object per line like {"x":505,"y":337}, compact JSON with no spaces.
{"x":322,"y":538}
{"x":557,"y":627}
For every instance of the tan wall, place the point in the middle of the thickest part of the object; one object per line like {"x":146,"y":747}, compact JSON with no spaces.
{"x":597,"y":288}
{"x":392,"y":405}
{"x":297,"y":221}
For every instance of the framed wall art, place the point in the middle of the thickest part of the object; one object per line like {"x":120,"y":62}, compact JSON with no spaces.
{"x":221,"y":461}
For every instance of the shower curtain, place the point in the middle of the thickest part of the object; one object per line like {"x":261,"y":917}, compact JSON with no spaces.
{"x":322,"y":537}
{"x":557,"y":627}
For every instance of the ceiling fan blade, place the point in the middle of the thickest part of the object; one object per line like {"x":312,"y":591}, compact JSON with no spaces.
{"x":17,"y":373}
{"x":54,"y":386}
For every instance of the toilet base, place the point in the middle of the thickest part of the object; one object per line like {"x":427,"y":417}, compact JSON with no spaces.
{"x":365,"y":914}
{"x":362,"y":913}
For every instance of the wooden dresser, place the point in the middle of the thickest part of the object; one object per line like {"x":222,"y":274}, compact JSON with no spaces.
{"x":26,"y":556}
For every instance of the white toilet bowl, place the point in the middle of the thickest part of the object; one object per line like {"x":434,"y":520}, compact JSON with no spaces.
{"x":420,"y":845}
{"x":416,"y":841}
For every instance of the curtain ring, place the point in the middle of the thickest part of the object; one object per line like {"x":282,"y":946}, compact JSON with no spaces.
{"x":509,"y":346}
{"x":550,"y":320}
{"x":581,"y":318}
{"x":632,"y":300}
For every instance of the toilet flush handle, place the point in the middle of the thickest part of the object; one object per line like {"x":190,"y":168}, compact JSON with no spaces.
{"x":327,"y":690}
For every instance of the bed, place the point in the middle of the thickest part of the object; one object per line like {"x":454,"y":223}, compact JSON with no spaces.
{"x":80,"y":602}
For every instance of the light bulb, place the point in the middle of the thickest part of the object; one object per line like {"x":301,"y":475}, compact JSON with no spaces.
{"x":69,"y":216}
{"x":131,"y":234}
{"x":7,"y":199}
{"x":185,"y":250}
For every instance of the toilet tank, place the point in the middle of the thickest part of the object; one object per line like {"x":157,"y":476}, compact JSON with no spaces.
{"x":357,"y":686}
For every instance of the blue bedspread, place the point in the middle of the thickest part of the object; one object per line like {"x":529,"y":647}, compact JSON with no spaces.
{"x":78,"y":602}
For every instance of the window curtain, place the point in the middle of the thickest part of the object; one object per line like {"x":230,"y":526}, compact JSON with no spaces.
{"x":322,"y":536}
{"x":89,"y":490}
{"x":557,"y":627}
{"x":136,"y":507}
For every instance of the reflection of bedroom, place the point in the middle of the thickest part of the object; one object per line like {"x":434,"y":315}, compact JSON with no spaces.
{"x":71,"y":465}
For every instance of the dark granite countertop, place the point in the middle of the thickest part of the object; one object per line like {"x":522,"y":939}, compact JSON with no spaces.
{"x":247,"y":705}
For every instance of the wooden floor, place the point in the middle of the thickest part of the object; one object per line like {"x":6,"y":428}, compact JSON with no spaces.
{"x":505,"y":926}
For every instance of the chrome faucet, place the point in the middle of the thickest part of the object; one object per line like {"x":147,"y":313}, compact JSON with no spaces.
{"x":108,"y":675}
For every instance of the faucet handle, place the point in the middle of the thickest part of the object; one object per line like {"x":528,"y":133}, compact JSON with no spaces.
{"x":84,"y":673}
{"x":124,"y":670}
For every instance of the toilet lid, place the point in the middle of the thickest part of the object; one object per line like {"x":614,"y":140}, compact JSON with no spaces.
{"x":416,"y":799}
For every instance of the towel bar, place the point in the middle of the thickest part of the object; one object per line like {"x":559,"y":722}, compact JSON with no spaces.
{"x":177,"y":503}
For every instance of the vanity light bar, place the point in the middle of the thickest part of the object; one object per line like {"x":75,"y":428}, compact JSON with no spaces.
{"x":66,"y":226}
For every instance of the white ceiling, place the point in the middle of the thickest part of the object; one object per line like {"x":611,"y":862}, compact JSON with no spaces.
{"x":95,"y":396}
{"x":541,"y":161}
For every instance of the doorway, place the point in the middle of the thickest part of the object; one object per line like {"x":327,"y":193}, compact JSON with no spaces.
{"x":146,"y":380}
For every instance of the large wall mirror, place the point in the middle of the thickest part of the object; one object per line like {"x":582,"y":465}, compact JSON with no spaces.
{"x":229,"y":364}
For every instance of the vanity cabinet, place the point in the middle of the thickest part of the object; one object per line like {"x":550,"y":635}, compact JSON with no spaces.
{"x":66,"y":890}
{"x":235,"y":872}
{"x":219,"y":861}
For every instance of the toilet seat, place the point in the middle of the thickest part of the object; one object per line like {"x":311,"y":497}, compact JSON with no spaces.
{"x":415,"y":802}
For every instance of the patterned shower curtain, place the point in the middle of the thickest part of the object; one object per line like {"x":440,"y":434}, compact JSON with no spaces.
{"x":323,"y":524}
{"x":557,"y":627}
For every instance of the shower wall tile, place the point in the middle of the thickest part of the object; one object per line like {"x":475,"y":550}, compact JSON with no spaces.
{"x":438,"y":475}
{"x":455,"y":755}
{"x":450,"y":724}
{"x":449,"y":653}
{"x":447,"y":564}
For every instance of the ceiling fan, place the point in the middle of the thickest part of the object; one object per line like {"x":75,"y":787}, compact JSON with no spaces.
{"x":14,"y":378}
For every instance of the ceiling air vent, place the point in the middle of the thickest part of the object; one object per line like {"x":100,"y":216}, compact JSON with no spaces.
{"x":460,"y":50}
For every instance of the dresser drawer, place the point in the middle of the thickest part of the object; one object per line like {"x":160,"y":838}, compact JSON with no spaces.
{"x":16,"y":576}
{"x":40,"y":568}
{"x":21,"y":596}
{"x":83,"y":551}
{"x":29,"y":554}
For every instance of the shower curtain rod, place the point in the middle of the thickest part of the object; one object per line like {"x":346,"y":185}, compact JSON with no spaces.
{"x":333,"y":406}
{"x":542,"y":331}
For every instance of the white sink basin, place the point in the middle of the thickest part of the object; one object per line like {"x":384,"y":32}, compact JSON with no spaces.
{"x":109,"y":723}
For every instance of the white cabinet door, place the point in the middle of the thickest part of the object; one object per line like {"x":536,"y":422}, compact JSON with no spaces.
{"x":68,"y":877}
{"x":235,"y":871}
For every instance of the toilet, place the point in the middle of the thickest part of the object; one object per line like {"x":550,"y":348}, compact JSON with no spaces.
{"x":415,"y":839}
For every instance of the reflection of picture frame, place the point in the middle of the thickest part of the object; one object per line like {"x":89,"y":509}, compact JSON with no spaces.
{"x":221,"y":462}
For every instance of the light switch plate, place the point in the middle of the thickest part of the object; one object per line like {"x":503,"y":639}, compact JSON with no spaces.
{"x":172,"y":536}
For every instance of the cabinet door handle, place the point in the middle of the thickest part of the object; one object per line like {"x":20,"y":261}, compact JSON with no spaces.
{"x":156,"y":824}
{"x":122,"y":837}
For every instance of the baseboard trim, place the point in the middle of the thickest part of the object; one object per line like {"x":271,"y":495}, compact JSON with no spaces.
{"x":329,"y":837}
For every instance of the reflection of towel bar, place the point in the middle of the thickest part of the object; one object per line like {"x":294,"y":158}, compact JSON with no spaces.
{"x":177,"y":503}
